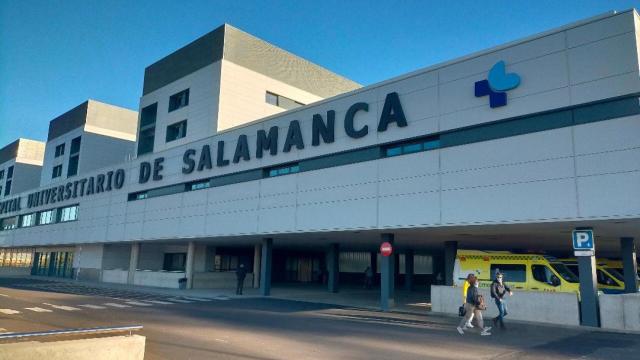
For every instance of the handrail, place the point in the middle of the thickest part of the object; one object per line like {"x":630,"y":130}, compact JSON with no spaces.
{"x":95,"y":330}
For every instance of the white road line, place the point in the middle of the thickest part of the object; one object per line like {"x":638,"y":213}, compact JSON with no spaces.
{"x":137,"y":303}
{"x":117,"y":305}
{"x":159,"y":302}
{"x":180,"y":301}
{"x":90,"y":306}
{"x":9,"y":311}
{"x":222,"y":297}
{"x":196,"y":299}
{"x":63,"y":307}
{"x":38,"y":309}
{"x":4,"y":295}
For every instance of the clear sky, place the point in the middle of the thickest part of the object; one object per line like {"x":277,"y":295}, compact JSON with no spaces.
{"x":56,"y":54}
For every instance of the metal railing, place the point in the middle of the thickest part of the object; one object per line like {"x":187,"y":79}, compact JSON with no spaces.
{"x":79,"y":331}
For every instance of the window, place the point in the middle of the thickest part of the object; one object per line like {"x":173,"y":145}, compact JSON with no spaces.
{"x":176,"y":131}
{"x":145,"y":140}
{"x":543,"y":274}
{"x":604,"y":278}
{"x":411,"y":147}
{"x":181,"y":99}
{"x":565,"y":272}
{"x":47,"y":217}
{"x":75,"y":145}
{"x":73,"y":165}
{"x":146,"y":135}
{"x":138,"y":196}
{"x":197,"y":185}
{"x":69,"y":213}
{"x":9,"y":223}
{"x":28,"y":220}
{"x":512,"y":272}
{"x":281,"y":101}
{"x":10,"y":172}
{"x":283,"y":170}
{"x":174,"y":261}
{"x":59,"y":150}
{"x":7,"y":188}
{"x":1,"y":174}
{"x":57,"y":171}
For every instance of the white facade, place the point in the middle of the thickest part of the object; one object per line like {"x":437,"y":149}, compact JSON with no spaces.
{"x":566,"y":175}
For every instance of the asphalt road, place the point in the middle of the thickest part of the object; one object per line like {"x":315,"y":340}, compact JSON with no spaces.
{"x":261,"y":328}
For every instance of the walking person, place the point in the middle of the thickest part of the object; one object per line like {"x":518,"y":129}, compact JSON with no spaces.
{"x":465,"y":323}
{"x":499,"y":291}
{"x":241,"y":273}
{"x":368,"y":277}
{"x":474,"y":305}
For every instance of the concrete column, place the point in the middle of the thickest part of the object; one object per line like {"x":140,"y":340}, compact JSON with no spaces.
{"x":188,"y":271}
{"x":257,"y":253}
{"x":133,"y":261}
{"x":408,"y":270}
{"x":450,"y":250}
{"x":387,"y":276}
{"x":588,"y":290}
{"x":629,"y":264}
{"x":333,"y":267}
{"x":265,"y":267}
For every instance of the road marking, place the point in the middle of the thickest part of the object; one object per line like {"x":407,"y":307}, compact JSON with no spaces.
{"x":117,"y":305}
{"x":9,"y":311}
{"x":195,"y":299}
{"x":5,"y":295}
{"x":38,"y":309}
{"x":221,"y":340}
{"x":63,"y":307}
{"x":180,"y":301}
{"x":159,"y":302}
{"x":137,"y":303}
{"x":90,"y":306}
{"x":222,"y":297}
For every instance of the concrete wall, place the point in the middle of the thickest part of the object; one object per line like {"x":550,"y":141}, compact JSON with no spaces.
{"x":105,"y":348}
{"x":87,"y":261}
{"x":620,"y":311}
{"x":98,"y":151}
{"x":151,"y":256}
{"x":162,"y":279}
{"x":544,"y":307}
{"x":219,"y":280}
{"x":115,"y":276}
{"x":116,"y":256}
{"x":14,"y":271}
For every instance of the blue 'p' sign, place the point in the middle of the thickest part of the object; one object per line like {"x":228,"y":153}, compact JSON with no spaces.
{"x":583,"y":240}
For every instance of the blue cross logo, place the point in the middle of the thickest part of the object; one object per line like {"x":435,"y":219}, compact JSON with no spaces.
{"x":497,"y":83}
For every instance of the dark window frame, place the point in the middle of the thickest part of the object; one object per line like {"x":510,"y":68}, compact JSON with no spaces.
{"x":176,"y":131}
{"x":179,"y":100}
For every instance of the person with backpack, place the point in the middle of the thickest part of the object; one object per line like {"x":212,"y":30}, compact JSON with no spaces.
{"x":475,"y":304}
{"x":499,"y":291}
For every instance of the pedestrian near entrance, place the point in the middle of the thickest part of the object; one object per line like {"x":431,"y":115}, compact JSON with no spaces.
{"x":468,"y":311}
{"x":475,"y":305}
{"x":368,"y":278}
{"x":499,"y":291}
{"x":241,"y":273}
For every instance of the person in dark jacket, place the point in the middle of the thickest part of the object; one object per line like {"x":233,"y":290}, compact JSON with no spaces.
{"x":499,"y":291}
{"x":241,"y":273}
{"x":474,"y":304}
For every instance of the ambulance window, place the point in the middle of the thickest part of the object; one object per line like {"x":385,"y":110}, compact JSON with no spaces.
{"x":543,"y":274}
{"x":511,"y":272}
{"x":604,"y":279}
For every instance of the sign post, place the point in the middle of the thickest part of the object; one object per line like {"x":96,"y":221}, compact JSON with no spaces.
{"x":584,"y":250}
{"x":387,"y":275}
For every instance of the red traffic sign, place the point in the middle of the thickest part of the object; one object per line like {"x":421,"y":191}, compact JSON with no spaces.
{"x":386,"y":249}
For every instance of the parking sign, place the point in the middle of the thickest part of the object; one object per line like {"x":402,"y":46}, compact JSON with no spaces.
{"x":583,"y":242}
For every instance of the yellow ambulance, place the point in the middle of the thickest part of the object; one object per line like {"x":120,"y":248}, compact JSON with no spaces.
{"x":521,"y":271}
{"x":616,"y":265}
{"x":610,"y":280}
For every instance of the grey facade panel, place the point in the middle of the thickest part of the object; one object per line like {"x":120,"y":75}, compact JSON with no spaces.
{"x":198,"y":54}
{"x":260,"y":56}
{"x":68,"y":121}
{"x":9,"y":152}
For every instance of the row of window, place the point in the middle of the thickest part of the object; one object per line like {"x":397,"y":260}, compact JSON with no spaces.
{"x":7,"y":184}
{"x":281,"y":101}
{"x":44,"y":217}
{"x":74,"y":159}
{"x":148,"y":116}
{"x":16,"y":257}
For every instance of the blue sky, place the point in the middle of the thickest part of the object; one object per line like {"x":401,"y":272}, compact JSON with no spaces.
{"x":56,"y":54}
